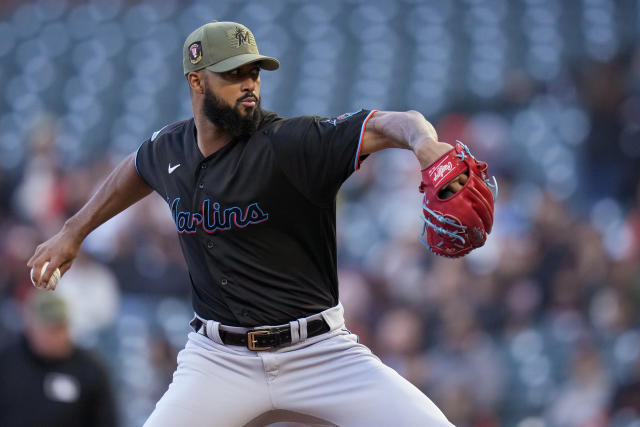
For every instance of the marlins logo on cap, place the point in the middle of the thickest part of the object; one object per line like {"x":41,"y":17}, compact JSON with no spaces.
{"x":240,"y":36}
{"x":221,"y":47}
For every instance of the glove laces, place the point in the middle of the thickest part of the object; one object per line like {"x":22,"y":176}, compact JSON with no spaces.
{"x":454,"y":235}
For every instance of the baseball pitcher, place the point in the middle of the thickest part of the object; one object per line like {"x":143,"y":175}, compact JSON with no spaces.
{"x":253,"y":199}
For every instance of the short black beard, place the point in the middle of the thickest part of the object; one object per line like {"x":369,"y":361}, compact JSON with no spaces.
{"x":229,"y":118}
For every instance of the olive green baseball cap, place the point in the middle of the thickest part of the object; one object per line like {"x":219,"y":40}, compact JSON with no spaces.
{"x":48,"y":308}
{"x":222,"y":46}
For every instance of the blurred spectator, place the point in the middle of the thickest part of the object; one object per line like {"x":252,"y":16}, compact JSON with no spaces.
{"x":583,"y":399}
{"x":612,"y":157}
{"x":400,"y":336}
{"x":46,"y":380}
{"x":463,"y":357}
{"x":92,"y":294}
{"x":42,"y":195}
{"x":625,"y":405}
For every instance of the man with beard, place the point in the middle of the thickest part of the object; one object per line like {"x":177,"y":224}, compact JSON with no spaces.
{"x":253,"y":197}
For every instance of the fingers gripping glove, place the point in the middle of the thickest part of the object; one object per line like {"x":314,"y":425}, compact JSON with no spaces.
{"x":457,"y":224}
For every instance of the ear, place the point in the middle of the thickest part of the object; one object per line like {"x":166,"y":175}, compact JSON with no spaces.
{"x":196,"y":82}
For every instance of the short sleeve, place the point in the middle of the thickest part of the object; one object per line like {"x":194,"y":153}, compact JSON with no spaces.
{"x":319,"y":154}
{"x":144,"y":163}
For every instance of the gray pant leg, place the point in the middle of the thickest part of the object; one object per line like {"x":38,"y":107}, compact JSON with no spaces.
{"x":213,"y":385}
{"x":342,"y":382}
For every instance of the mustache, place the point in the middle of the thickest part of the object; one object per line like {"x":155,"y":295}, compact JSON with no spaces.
{"x":248,"y":95}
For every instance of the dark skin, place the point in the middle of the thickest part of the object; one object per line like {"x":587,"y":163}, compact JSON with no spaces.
{"x":240,"y":89}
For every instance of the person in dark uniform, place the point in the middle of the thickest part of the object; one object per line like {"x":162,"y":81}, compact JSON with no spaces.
{"x":253,"y":198}
{"x":46,"y":379}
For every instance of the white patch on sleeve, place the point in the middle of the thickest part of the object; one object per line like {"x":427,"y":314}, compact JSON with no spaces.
{"x":156,"y":133}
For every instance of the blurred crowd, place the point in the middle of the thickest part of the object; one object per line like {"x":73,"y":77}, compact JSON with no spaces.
{"x":540,"y":327}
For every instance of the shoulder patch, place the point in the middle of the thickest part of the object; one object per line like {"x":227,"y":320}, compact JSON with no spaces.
{"x":341,"y":118}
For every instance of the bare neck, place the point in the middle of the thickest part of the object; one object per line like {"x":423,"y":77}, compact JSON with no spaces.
{"x":210,"y":137}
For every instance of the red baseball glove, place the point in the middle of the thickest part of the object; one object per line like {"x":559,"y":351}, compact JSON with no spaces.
{"x":456,"y":223}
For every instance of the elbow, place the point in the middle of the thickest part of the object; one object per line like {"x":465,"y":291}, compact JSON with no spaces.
{"x":415,"y":115}
{"x":415,"y":118}
{"x":421,"y":125}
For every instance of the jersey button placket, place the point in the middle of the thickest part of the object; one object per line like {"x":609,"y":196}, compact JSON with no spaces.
{"x":210,"y":244}
{"x":224,"y":281}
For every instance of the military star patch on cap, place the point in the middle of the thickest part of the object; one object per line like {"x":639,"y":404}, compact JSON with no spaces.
{"x":195,"y":52}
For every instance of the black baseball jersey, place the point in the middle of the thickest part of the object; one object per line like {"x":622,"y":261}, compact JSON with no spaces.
{"x":256,"y":219}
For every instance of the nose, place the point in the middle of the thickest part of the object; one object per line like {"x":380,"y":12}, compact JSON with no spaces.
{"x":248,"y":84}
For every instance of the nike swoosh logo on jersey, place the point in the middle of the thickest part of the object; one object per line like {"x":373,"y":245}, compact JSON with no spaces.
{"x":172,"y":168}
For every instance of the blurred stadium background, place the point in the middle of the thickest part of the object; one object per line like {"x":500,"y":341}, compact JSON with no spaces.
{"x":537,"y":328}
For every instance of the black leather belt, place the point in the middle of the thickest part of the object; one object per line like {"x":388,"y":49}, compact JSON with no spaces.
{"x":267,"y":338}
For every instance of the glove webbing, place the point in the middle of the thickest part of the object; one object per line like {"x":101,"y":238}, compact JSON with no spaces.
{"x":461,"y":155}
{"x":491,"y":182}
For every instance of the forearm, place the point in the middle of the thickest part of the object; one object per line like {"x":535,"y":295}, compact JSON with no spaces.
{"x":408,"y":130}
{"x":403,"y":129}
{"x":121,"y":189}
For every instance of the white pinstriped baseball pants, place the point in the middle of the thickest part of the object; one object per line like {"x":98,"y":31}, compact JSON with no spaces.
{"x":327,"y":380}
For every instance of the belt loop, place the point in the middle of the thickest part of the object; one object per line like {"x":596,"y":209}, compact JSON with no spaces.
{"x":334,"y":316}
{"x":295,"y":335}
{"x":303,"y":329}
{"x":194,"y":323}
{"x":213,"y":331}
